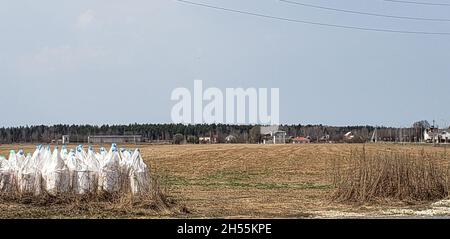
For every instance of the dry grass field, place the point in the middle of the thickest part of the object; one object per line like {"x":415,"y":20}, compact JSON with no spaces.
{"x":245,"y":181}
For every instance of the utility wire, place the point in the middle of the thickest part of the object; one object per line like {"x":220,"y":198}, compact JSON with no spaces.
{"x":365,"y":13}
{"x":420,"y":3}
{"x":310,"y":22}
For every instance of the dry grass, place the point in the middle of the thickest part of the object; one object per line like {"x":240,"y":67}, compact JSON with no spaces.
{"x":404,"y":176}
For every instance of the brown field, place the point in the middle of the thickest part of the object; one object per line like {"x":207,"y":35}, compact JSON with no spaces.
{"x":245,"y":181}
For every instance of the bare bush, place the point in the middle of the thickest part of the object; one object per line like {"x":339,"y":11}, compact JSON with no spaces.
{"x":365,"y":177}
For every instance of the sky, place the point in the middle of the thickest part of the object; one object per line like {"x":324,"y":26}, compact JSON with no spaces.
{"x":117,"y":62}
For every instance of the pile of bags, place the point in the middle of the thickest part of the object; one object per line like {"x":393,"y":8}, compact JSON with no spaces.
{"x":60,"y":172}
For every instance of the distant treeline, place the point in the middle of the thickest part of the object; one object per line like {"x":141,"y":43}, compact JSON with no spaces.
{"x":166,"y":132}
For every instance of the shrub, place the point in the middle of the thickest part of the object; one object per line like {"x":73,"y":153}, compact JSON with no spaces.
{"x":178,"y":139}
{"x":191,"y":139}
{"x":367,"y":177}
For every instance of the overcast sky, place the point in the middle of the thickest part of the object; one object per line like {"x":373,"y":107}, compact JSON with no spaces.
{"x":111,"y":61}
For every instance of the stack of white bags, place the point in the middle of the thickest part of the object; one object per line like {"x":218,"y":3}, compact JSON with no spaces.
{"x":75,"y":171}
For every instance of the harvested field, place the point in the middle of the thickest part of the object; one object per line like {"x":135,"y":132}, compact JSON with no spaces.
{"x":234,"y":181}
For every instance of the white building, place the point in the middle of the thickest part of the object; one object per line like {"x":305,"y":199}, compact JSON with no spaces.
{"x":65,"y":139}
{"x":445,"y":136}
{"x":272,"y":135}
{"x":434,"y":135}
{"x":109,"y":139}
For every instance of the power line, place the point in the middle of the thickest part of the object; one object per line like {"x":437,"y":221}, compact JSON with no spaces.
{"x":366,"y":13}
{"x":310,"y":22}
{"x":419,"y":3}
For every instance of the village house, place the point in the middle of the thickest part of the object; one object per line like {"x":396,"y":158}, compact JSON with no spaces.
{"x":301,"y":140}
{"x":272,"y":135}
{"x":435,"y":135}
{"x":204,"y":140}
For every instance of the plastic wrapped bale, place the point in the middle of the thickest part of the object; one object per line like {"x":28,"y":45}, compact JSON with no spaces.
{"x":110,"y":173}
{"x":7,"y":178}
{"x":83,"y":180}
{"x":29,"y":176}
{"x":139,"y":175}
{"x":55,"y":175}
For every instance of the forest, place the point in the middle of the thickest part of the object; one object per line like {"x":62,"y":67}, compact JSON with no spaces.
{"x":242,"y":133}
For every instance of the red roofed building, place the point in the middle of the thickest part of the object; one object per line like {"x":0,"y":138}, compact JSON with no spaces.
{"x":301,"y":140}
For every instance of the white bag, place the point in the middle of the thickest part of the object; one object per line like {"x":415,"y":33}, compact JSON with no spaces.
{"x":20,"y":158}
{"x":101,"y":156}
{"x":125,"y":166}
{"x":29,"y":176}
{"x":7,"y":180}
{"x":12,"y":160}
{"x":92,"y":161}
{"x":80,"y":153}
{"x":83,"y":180}
{"x":80,"y":172}
{"x":56,"y":176}
{"x":14,"y":164}
{"x":139,"y":175}
{"x":125,"y":158}
{"x":110,"y":173}
{"x":43,"y":158}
